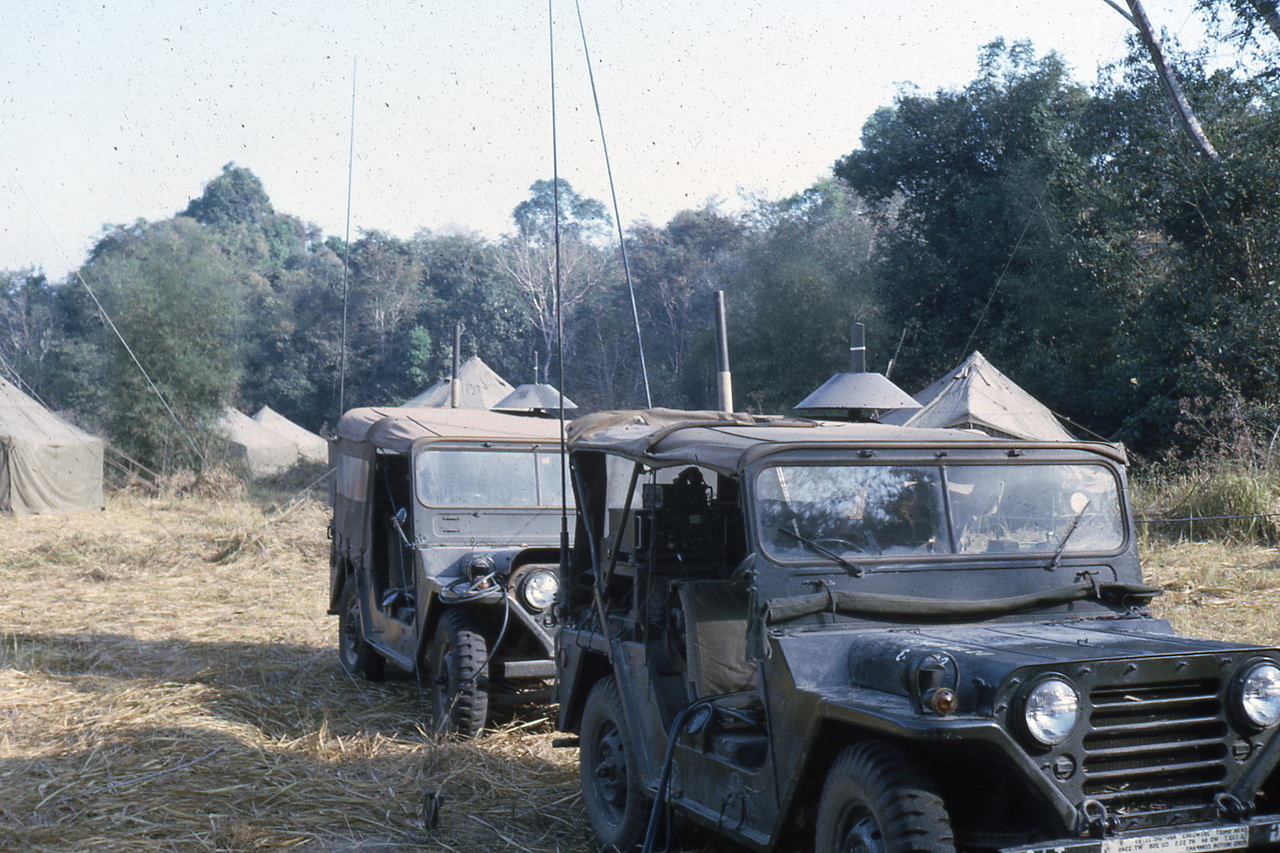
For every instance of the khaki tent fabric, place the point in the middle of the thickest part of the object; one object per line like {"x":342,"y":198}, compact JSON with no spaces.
{"x":253,"y":447}
{"x":978,"y":396}
{"x":482,"y":388}
{"x":46,"y":464}
{"x":310,"y":446}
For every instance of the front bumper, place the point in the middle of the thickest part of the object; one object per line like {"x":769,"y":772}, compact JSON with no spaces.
{"x":1199,"y":838}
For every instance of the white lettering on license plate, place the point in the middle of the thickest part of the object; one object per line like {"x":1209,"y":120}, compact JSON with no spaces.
{"x":1197,"y":841}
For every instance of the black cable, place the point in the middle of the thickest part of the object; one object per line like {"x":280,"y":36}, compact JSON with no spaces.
{"x":651,"y":830}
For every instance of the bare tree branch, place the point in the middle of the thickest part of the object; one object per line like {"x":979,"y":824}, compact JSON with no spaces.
{"x":1173,"y":89}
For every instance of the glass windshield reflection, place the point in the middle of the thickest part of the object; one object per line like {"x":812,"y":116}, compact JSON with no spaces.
{"x":488,"y":478}
{"x":900,"y":510}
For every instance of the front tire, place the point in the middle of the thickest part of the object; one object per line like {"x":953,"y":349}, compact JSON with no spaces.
{"x":876,"y":801}
{"x":356,"y":655}
{"x":459,"y":671}
{"x":612,"y":791}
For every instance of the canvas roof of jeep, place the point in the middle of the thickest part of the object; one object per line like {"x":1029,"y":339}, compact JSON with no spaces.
{"x":729,"y":442}
{"x":400,"y":428}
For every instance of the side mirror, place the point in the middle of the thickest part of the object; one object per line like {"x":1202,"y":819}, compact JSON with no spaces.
{"x":401,"y":515}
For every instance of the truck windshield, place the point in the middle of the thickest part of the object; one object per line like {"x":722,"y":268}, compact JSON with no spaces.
{"x":852,"y":511}
{"x":488,"y":478}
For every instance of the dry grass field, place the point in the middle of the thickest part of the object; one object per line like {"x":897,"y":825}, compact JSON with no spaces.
{"x":168,"y":682}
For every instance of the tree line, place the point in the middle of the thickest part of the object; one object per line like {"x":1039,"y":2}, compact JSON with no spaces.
{"x":1069,"y":232}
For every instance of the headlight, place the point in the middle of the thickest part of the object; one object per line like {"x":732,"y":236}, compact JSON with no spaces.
{"x":538,"y":589}
{"x":1260,"y":694}
{"x":1051,"y":711}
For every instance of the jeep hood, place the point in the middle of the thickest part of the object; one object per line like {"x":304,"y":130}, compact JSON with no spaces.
{"x":985,"y":656}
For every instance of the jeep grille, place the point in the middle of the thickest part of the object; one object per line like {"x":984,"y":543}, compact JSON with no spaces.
{"x":1155,"y":747}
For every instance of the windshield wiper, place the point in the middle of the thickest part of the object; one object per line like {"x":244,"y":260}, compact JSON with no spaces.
{"x":1062,"y":546}
{"x":853,"y":568}
{"x":943,"y":609}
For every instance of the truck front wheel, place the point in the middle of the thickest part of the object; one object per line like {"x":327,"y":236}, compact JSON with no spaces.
{"x":614,"y":796}
{"x":875,"y":801}
{"x":458,"y":667}
{"x":356,"y":655}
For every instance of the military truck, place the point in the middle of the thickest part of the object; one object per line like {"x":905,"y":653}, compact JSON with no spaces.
{"x":874,"y":639}
{"x":446,"y":544}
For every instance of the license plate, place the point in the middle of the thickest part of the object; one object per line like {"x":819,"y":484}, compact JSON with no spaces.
{"x":1196,"y":841}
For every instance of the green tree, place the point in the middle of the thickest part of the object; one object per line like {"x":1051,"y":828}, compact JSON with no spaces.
{"x":802,"y":277}
{"x":676,"y":270}
{"x":234,"y":197}
{"x":30,"y":330}
{"x":580,"y":217}
{"x":1206,"y":328}
{"x":384,"y":299}
{"x":462,"y":285}
{"x":175,"y":297}
{"x":998,"y":233}
{"x":293,"y":362}
{"x":529,"y":261}
{"x":1238,"y":22}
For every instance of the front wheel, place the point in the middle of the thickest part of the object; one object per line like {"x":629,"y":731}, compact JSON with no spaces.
{"x":356,"y":655}
{"x":459,"y":671}
{"x":612,"y":791}
{"x":875,"y":801}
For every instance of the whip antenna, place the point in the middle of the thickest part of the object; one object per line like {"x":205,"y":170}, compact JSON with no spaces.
{"x":617,"y":217}
{"x":555,"y":224}
{"x":346,"y":249}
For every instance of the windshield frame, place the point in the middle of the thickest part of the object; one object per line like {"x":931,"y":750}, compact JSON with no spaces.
{"x":940,"y":459}
{"x":532,"y":448}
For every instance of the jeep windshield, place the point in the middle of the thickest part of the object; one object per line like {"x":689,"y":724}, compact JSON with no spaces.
{"x":842,"y":513}
{"x":492,"y":478}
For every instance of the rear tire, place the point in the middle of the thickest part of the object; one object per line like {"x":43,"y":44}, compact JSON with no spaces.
{"x":612,"y":790}
{"x":876,"y":801}
{"x":356,"y":655}
{"x":458,"y":667}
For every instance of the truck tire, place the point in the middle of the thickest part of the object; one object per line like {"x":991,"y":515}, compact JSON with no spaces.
{"x":875,"y":801}
{"x":612,"y":791}
{"x":458,"y":668}
{"x":356,"y":655}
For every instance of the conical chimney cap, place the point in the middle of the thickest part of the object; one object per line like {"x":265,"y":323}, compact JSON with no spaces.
{"x":533,"y":398}
{"x":857,"y":390}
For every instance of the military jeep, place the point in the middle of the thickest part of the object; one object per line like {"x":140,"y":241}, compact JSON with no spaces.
{"x":867,"y":638}
{"x":446,"y":543}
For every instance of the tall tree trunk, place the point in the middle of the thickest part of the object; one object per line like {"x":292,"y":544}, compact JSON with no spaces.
{"x":1173,"y":90}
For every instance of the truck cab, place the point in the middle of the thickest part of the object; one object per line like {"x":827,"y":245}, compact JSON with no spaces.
{"x":870,"y":638}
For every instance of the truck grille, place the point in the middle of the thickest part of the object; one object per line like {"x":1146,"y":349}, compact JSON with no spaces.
{"x":1156,"y":746}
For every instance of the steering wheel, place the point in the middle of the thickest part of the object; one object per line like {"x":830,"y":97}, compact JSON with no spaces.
{"x":868,"y":540}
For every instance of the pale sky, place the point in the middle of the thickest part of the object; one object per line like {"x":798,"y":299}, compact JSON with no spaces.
{"x":111,"y":111}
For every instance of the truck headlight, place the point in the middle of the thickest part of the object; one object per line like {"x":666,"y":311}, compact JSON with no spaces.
{"x":1259,"y":694}
{"x":538,"y":589}
{"x":1051,"y":710}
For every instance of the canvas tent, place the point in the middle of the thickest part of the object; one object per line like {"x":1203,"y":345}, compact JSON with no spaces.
{"x":310,"y":446}
{"x":253,"y":447}
{"x":46,"y":464}
{"x":977,"y":396}
{"x":481,"y":388}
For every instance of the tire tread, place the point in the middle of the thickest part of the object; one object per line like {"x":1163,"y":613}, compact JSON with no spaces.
{"x":905,"y":802}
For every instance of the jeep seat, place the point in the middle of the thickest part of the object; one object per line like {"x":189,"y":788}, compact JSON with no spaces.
{"x":715,"y":614}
